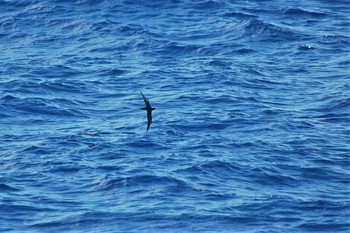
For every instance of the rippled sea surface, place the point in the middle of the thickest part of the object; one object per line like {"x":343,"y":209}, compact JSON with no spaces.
{"x":250,"y":132}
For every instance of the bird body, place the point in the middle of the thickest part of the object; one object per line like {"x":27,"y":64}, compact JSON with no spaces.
{"x":149,"y":110}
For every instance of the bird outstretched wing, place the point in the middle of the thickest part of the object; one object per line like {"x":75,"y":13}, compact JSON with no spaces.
{"x":149,"y":119}
{"x":148,"y":105}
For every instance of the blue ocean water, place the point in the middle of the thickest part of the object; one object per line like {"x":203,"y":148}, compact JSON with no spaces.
{"x":250,"y":134}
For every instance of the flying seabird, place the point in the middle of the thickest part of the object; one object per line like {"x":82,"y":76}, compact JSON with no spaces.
{"x":149,"y":110}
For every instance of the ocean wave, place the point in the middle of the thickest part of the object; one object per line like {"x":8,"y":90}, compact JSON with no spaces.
{"x":210,"y":5}
{"x":142,"y":183}
{"x":180,"y":49}
{"x":238,"y":14}
{"x":63,"y":87}
{"x":270,"y":176}
{"x":304,"y":12}
{"x":7,"y":188}
{"x":40,"y":106}
{"x":256,"y":29}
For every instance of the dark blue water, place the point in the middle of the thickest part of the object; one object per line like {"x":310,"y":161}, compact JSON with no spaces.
{"x":250,"y":134}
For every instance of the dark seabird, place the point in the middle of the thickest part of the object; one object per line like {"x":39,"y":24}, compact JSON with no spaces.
{"x":149,"y":110}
